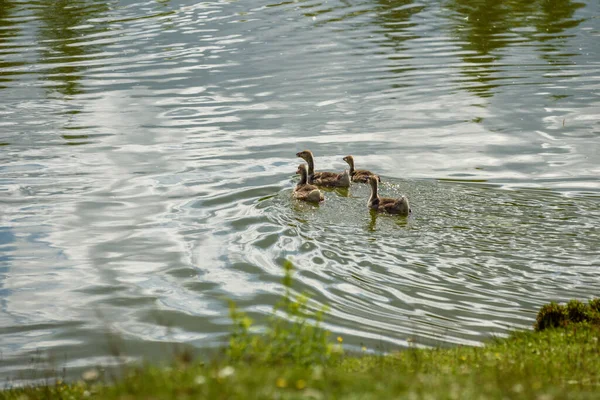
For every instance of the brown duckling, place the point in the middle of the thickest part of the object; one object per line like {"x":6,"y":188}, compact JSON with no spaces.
{"x":359,"y":175}
{"x":304,"y":190}
{"x":385,"y":204}
{"x":331,"y":179}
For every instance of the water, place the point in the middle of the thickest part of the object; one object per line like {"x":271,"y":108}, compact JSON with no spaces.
{"x":148,"y":151}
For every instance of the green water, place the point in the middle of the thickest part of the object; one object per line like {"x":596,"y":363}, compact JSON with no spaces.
{"x":147,"y":161}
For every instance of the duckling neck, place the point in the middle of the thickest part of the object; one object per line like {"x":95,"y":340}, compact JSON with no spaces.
{"x":302,"y":178}
{"x":374,"y":194}
{"x":351,"y":163}
{"x":311,"y":165}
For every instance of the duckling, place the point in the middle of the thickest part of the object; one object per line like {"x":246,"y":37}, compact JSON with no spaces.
{"x":305,"y":191}
{"x":331,"y":179}
{"x":385,"y":204}
{"x":359,"y":175}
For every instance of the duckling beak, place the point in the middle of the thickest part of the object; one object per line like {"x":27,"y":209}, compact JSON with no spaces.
{"x":298,"y":154}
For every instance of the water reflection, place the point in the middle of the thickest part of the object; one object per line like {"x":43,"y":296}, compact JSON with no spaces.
{"x":64,"y":23}
{"x":485,"y":27}
{"x":551,"y":22}
{"x":7,"y":245}
{"x":9,"y":29}
{"x":390,"y":220}
{"x":396,"y":19}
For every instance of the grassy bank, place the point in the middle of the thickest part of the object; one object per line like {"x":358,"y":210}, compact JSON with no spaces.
{"x":298,"y":360}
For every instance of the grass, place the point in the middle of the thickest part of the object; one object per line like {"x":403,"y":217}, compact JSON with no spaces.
{"x":555,"y":315}
{"x":295,"y":359}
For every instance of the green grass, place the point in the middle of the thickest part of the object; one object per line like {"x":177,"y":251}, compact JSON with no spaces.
{"x":295,"y":359}
{"x":555,"y":315}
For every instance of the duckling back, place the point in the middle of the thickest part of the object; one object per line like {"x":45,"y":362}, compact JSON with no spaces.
{"x":345,"y":179}
{"x":402,"y":207}
{"x":315,"y":196}
{"x":309,"y":193}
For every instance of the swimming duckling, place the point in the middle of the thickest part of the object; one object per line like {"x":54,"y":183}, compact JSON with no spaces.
{"x":305,"y":191}
{"x":331,"y":179}
{"x":385,"y":204}
{"x":359,"y":175}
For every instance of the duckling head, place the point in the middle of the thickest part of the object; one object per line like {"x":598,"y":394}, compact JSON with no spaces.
{"x":302,"y":168}
{"x":303,"y":172}
{"x":349,"y":160}
{"x":305,"y":155}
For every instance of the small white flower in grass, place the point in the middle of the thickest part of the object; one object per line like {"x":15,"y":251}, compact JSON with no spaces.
{"x":337,"y":349}
{"x":313,"y":394}
{"x":317,"y":372}
{"x":545,"y":397}
{"x":226,"y":372}
{"x":200,"y":380}
{"x":517,"y":388}
{"x":90,"y":375}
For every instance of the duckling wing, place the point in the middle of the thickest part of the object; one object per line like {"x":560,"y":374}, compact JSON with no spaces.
{"x":324,"y":175}
{"x":395,"y":206}
{"x":304,"y":189}
{"x":362,"y":176}
{"x":308,"y":193}
{"x":332,"y":179}
{"x":387,"y":202}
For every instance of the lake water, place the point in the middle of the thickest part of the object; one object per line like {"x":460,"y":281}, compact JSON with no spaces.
{"x":147,"y":159}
